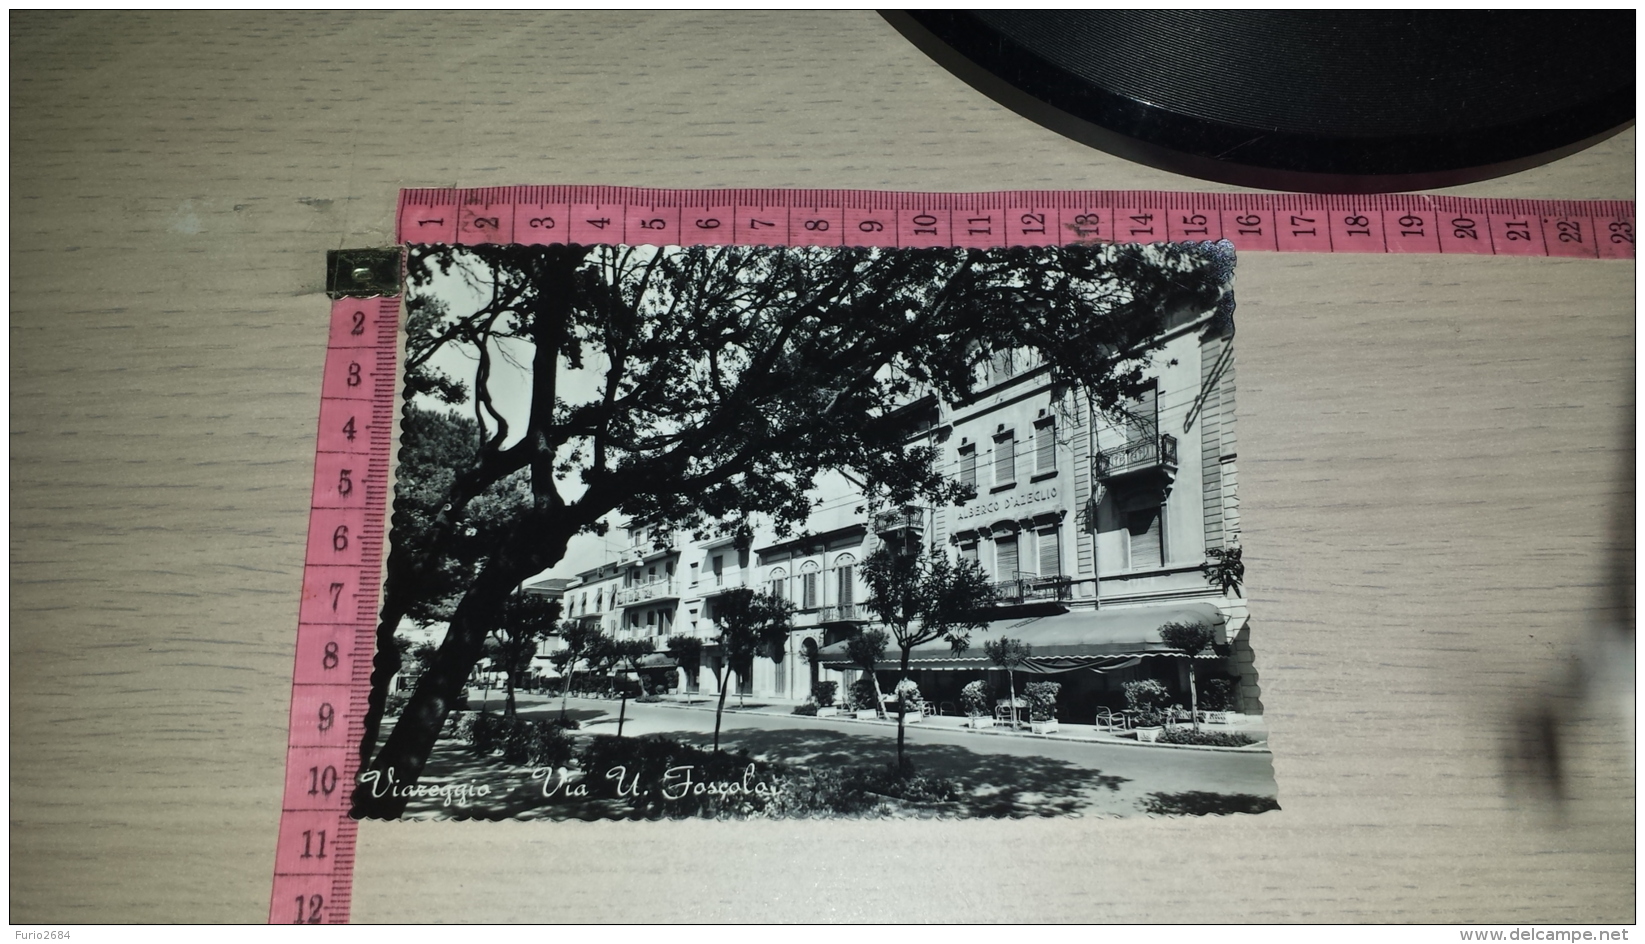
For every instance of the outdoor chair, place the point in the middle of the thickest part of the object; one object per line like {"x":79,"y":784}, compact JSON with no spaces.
{"x":1004,"y":710}
{"x":947,"y":708}
{"x":1110,"y":720}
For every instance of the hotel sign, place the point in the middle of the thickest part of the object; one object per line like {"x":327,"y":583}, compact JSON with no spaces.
{"x":1023,"y":504}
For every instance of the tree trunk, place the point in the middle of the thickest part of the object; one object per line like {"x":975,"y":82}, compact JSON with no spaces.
{"x":902,"y":709}
{"x":526,"y":551}
{"x":534,"y":543}
{"x":720,"y":711}
{"x":1193,"y":696}
{"x":565,"y":692}
{"x":879,"y":696}
{"x":622,"y":712}
{"x":508,"y":698}
{"x":1011,"y":684}
{"x":384,"y":666}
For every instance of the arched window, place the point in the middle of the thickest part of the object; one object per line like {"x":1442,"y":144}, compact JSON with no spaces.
{"x":845,"y":580}
{"x":778,"y":579}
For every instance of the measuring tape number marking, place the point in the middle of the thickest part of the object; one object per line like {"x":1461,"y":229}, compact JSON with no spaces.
{"x":336,"y":629}
{"x":1386,"y":223}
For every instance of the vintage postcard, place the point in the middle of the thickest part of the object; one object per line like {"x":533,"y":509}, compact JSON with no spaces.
{"x":758,"y":531}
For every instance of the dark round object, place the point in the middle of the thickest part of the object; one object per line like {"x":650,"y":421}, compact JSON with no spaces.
{"x":1322,"y":101}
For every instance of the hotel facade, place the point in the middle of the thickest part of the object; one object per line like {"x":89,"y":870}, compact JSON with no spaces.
{"x":1096,"y":531}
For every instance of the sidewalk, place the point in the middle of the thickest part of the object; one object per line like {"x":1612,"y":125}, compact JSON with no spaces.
{"x":1251,"y":725}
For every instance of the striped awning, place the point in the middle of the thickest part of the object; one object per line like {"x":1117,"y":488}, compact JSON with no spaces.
{"x":1101,"y":640}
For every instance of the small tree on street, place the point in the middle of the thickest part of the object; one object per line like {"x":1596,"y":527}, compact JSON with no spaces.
{"x":865,"y":650}
{"x":603,"y":658}
{"x":628,"y":653}
{"x":1009,"y":654}
{"x":581,"y":637}
{"x":749,"y":623}
{"x":528,"y":619}
{"x":1190,"y":639}
{"x":923,"y":598}
{"x":688,"y":652}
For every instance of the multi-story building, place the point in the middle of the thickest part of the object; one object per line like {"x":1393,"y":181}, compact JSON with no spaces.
{"x":1095,"y":530}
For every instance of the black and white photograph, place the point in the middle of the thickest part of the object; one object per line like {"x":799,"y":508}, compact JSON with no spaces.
{"x":751,"y":531}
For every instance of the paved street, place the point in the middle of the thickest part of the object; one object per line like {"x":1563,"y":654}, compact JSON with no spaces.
{"x":1006,"y":774}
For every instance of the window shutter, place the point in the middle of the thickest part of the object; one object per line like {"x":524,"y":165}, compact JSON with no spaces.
{"x":1146,"y":546}
{"x":1050,"y":553}
{"x":809,"y":585}
{"x":1005,"y":556}
{"x":969,"y":552}
{"x":1005,"y":459}
{"x":1045,"y":447}
{"x":968,"y":467}
{"x":846,"y":586}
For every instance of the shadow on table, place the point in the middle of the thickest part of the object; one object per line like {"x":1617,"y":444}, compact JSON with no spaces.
{"x":1203,"y":802}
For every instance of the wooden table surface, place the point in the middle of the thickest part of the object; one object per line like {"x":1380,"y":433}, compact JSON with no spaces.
{"x":1429,"y":446}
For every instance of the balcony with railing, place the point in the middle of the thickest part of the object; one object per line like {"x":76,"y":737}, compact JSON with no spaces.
{"x":1155,"y":454}
{"x":844,"y":613}
{"x":712,"y":583}
{"x":659,"y":589}
{"x":1032,"y":588}
{"x":910,"y":521}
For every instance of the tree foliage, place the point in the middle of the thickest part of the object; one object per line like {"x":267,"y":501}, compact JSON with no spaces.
{"x":434,"y":443}
{"x":1188,"y":638}
{"x":528,"y":620}
{"x":581,"y":637}
{"x":727,"y":379}
{"x":923,"y":598}
{"x":1225,"y":568}
{"x":866,"y":649}
{"x":688,"y":652}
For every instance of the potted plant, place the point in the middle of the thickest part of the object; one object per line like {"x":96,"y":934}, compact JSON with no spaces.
{"x":913,"y":703}
{"x":1042,"y":706}
{"x":975,"y":698}
{"x":823,"y":694}
{"x":865,"y":699}
{"x":1147,"y":699}
{"x":1219,"y":699}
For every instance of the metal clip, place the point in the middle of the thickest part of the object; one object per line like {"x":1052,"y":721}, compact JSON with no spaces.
{"x":362,"y":273}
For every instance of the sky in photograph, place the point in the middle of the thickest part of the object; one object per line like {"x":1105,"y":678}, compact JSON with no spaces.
{"x":511,"y":394}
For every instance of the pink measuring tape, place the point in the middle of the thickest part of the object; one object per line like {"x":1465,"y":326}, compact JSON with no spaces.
{"x":336,"y":632}
{"x":337,"y":618}
{"x":1386,"y":223}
